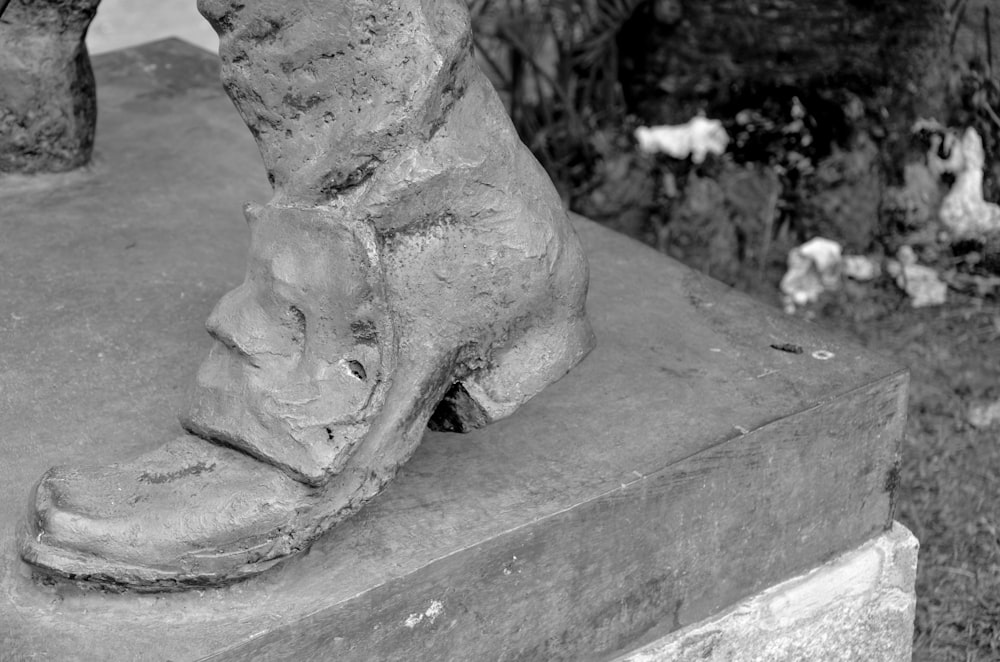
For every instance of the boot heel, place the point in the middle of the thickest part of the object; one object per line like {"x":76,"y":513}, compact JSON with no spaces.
{"x":540,"y":357}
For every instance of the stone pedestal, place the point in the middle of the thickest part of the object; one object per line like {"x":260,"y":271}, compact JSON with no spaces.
{"x":859,"y":606}
{"x":709,"y":448}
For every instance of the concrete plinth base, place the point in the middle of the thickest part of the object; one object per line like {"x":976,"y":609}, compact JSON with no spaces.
{"x":709,"y":448}
{"x":860,"y":606}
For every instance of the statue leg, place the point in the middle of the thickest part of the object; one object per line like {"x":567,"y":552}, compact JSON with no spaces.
{"x":49,"y":107}
{"x":413,"y":267}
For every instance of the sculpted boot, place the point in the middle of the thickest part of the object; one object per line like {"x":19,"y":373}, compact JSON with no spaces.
{"x":414,"y":267}
{"x":48,"y":107}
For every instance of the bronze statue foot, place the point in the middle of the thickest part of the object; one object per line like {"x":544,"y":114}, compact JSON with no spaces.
{"x":325,"y":373}
{"x":193,"y":513}
{"x":414,"y":266}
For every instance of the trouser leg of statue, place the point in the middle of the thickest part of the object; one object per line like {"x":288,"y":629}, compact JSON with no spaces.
{"x":49,"y":107}
{"x":413,"y":266}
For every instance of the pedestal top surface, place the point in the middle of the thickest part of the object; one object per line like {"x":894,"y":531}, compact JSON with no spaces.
{"x":106,"y":278}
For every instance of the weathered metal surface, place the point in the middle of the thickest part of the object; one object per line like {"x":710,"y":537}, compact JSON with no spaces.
{"x":684,"y":465}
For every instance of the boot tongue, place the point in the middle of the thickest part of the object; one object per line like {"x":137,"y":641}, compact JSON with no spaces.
{"x":296,"y":391}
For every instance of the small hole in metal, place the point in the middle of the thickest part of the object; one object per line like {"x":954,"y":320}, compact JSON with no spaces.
{"x":357,"y":370}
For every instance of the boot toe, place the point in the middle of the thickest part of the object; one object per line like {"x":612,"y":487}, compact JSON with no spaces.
{"x":187,"y":513}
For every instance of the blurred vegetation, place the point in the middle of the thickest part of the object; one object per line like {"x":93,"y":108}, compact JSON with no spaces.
{"x":817,"y":95}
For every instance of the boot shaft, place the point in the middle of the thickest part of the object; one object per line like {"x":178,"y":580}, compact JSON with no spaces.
{"x":330,"y":90}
